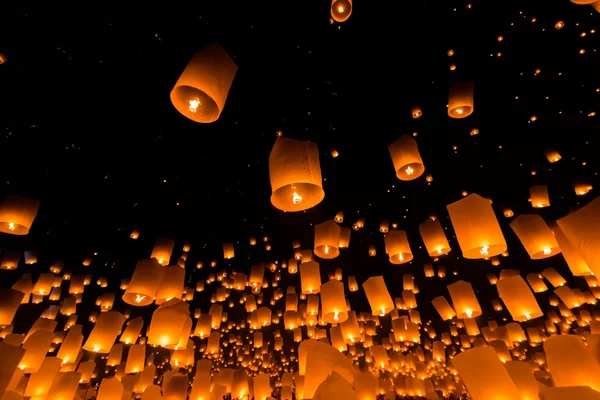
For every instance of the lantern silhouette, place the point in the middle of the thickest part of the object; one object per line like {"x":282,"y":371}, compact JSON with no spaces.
{"x":17,"y":214}
{"x":162,"y":250}
{"x":460,"y":100}
{"x":476,"y":227}
{"x":333,"y":302}
{"x":378,"y":295}
{"x":406,"y":158}
{"x":201,"y":90}
{"x":295,"y":174}
{"x":341,"y":10}
{"x":464,"y":300}
{"x":310,"y":277}
{"x":327,"y":240}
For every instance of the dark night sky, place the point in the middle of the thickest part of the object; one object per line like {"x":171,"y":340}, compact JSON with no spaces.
{"x":88,"y":127}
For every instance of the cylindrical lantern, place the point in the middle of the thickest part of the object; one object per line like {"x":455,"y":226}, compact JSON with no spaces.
{"x":460,"y":100}
{"x":406,"y":158}
{"x":17,"y":214}
{"x":397,"y":247}
{"x":295,"y":174}
{"x":341,"y":10}
{"x":464,"y":300}
{"x":434,"y":238}
{"x":476,"y":227}
{"x":162,"y":250}
{"x":571,"y":363}
{"x":201,"y":90}
{"x":536,"y":237}
{"x":144,"y":283}
{"x":310,"y":277}
{"x":378,"y":295}
{"x":518,"y":299}
{"x":327,"y":240}
{"x":552,"y":155}
{"x":333,"y":302}
{"x":538,"y":196}
{"x":105,"y":332}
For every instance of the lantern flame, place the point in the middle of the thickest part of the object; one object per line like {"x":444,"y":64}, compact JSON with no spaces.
{"x":484,"y":250}
{"x":139,"y":298}
{"x":469,"y":313}
{"x":11,"y":226}
{"x":336,"y":316}
{"x":409,"y":170}
{"x":326,"y":249}
{"x":340,"y":9}
{"x":194,"y":104}
{"x":527,"y":316}
{"x":296,"y":198}
{"x":547,"y":251}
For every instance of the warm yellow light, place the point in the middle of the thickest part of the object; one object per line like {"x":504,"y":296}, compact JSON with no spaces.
{"x":139,"y":298}
{"x":547,"y":251}
{"x":11,"y":226}
{"x":484,"y":250}
{"x":340,"y":9}
{"x":409,"y":170}
{"x":194,"y":104}
{"x":296,"y":198}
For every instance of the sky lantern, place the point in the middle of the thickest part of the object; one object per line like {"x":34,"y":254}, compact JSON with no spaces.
{"x":571,"y":363}
{"x":535,"y":235}
{"x":144,"y":283}
{"x":538,"y":196}
{"x":310,"y":277}
{"x":17,"y":214}
{"x":378,"y":295}
{"x":341,"y":10}
{"x":104,"y":333}
{"x":406,"y":158}
{"x":327,"y":239}
{"x":460,"y":100}
{"x":333,"y":302}
{"x":397,"y":247}
{"x":434,"y":238}
{"x":464,"y":300}
{"x":201,"y":90}
{"x":295,"y":173}
{"x":162,"y":250}
{"x":476,"y":227}
{"x":518,"y":299}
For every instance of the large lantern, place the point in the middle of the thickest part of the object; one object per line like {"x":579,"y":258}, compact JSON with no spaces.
{"x":17,"y":214}
{"x":202,"y":88}
{"x":406,"y":158}
{"x":460,"y":100}
{"x":295,"y":174}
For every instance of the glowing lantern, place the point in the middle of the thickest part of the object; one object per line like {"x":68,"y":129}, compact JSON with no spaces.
{"x":484,"y":375}
{"x":17,"y":214}
{"x":581,"y":230}
{"x":105,"y":332}
{"x":536,"y":237}
{"x":171,"y":325}
{"x":406,"y":158}
{"x":344,"y":237}
{"x":162,"y":250}
{"x":333,"y":302}
{"x":378,"y":295}
{"x":460,"y":100}
{"x":538,"y":196}
{"x":341,"y":10}
{"x":110,"y":389}
{"x":135,"y":359}
{"x":327,"y":240}
{"x":581,"y":188}
{"x":443,"y":308}
{"x":144,"y":283}
{"x":201,"y":90}
{"x":518,"y":299}
{"x":397,"y":247}
{"x":476,"y":227}
{"x":434,"y":238}
{"x":310,"y":277}
{"x":464,"y":300}
{"x":576,"y":264}
{"x":295,"y":174}
{"x":416,"y":112}
{"x":552,"y":155}
{"x":171,"y":284}
{"x":228,"y":251}
{"x":571,"y":363}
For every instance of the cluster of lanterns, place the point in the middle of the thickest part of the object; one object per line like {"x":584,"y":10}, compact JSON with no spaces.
{"x":307,"y":340}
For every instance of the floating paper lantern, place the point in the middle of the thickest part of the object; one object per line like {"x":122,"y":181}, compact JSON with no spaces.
{"x":434,"y":238}
{"x":397,"y":247}
{"x":552,"y":155}
{"x":406,"y":158}
{"x":464,"y":300}
{"x":476,"y":227}
{"x":538,"y":196}
{"x":295,"y":174}
{"x":416,"y":112}
{"x":333,"y":302}
{"x":518,"y":299}
{"x":484,"y":375}
{"x":310,"y":277}
{"x":535,"y":235}
{"x":17,"y":214}
{"x":105,"y":332}
{"x":581,"y":230}
{"x":460,"y":100}
{"x":576,"y":264}
{"x":327,"y":240}
{"x":144,"y":283}
{"x":162,"y":250}
{"x":201,"y":90}
{"x":571,"y":363}
{"x":228,"y":251}
{"x":378,"y":295}
{"x":581,"y":188}
{"x":341,"y":10}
